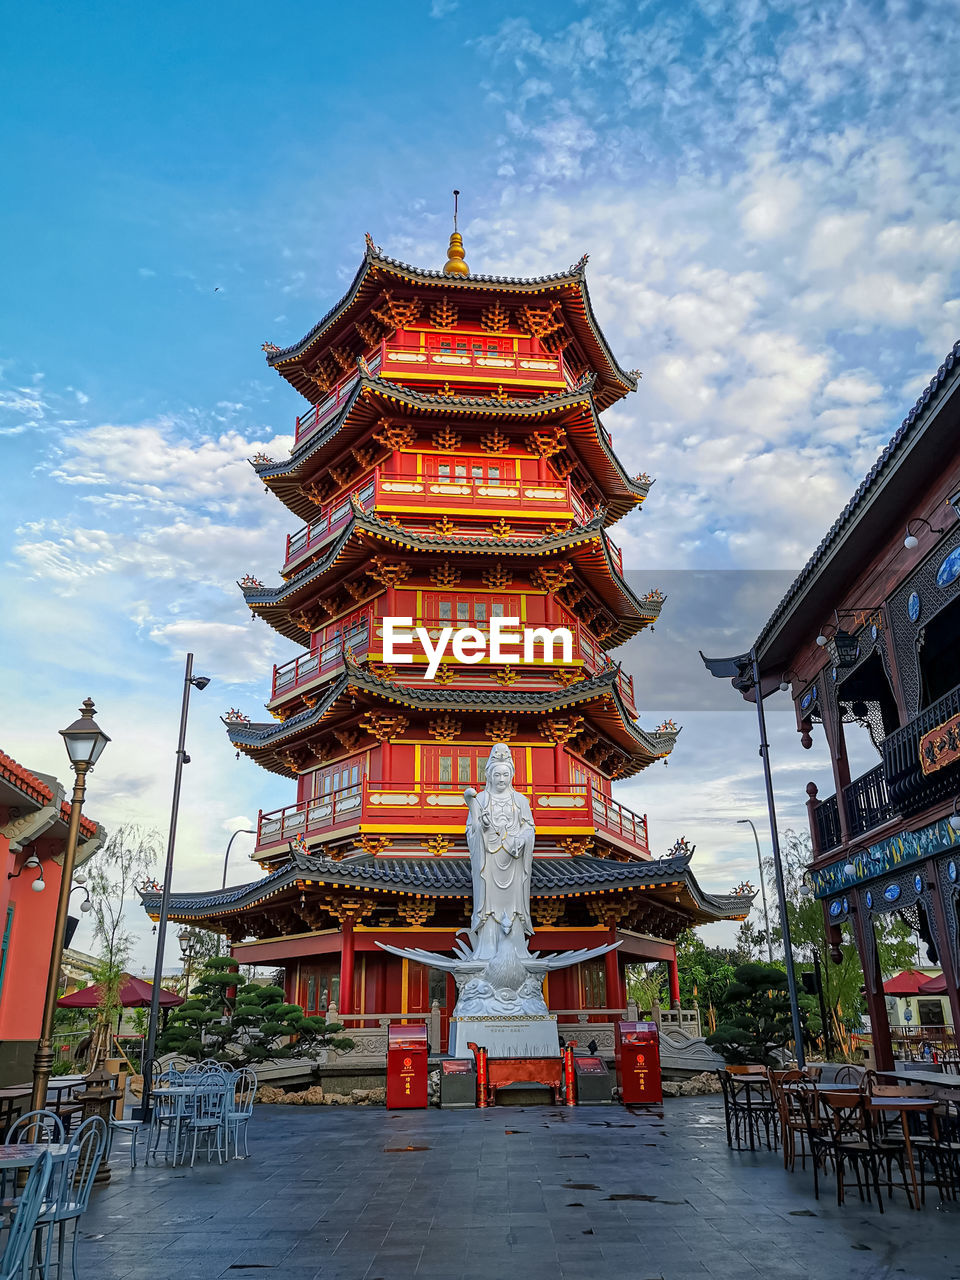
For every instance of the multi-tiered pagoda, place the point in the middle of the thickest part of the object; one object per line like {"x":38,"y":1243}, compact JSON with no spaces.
{"x":452,"y":468}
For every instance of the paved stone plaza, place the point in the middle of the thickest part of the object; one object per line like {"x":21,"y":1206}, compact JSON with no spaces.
{"x":535,"y":1194}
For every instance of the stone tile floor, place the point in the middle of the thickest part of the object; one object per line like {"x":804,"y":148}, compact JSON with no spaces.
{"x":599,"y":1193}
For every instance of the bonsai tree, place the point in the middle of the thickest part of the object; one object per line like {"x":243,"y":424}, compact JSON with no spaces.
{"x":232,"y":1019}
{"x":753,"y":1015}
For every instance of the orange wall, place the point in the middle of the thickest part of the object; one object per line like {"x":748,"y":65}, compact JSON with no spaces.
{"x":28,"y":951}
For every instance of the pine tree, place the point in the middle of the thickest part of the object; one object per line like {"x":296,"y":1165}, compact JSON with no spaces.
{"x":231,"y":1019}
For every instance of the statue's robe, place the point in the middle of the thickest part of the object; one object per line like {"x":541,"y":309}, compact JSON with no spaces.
{"x":501,"y":860}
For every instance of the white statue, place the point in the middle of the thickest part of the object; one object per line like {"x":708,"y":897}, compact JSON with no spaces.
{"x":500,"y":836}
{"x":497,"y":976}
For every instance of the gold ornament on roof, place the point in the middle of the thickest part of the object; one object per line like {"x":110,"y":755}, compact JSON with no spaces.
{"x":455,"y":264}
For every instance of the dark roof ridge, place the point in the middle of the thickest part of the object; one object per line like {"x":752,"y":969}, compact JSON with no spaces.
{"x":905,"y":431}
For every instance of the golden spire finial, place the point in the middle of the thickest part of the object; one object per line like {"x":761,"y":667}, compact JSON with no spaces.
{"x":455,"y":264}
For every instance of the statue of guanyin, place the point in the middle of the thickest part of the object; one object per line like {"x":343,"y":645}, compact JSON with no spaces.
{"x":500,"y":836}
{"x":496,"y":974}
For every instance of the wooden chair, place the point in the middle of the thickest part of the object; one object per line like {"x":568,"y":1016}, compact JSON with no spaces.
{"x":792,"y":1121}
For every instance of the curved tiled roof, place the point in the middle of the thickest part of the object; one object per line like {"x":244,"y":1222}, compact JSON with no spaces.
{"x":905,"y":433}
{"x":272,"y":734}
{"x":375,"y":263}
{"x":24,"y":780}
{"x":275,"y":603}
{"x":451,"y":877}
{"x":452,"y":406}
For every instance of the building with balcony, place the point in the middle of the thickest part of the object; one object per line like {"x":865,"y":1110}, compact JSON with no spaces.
{"x":453,"y":470}
{"x":34,"y":817}
{"x":868,"y":641}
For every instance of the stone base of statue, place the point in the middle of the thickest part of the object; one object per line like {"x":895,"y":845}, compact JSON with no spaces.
{"x":519,"y":1036}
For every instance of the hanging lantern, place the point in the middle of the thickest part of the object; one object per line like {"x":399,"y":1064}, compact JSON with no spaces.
{"x":843,"y":648}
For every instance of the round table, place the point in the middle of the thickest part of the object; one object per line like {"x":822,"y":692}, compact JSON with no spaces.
{"x":22,"y":1155}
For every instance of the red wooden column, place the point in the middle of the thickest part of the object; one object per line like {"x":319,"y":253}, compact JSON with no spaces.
{"x":934,"y":902}
{"x":346,"y":964}
{"x":873,"y":990}
{"x":612,"y":974}
{"x":673,"y":977}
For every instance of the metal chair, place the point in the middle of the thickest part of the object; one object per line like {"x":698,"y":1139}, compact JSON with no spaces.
{"x":208,"y":1118}
{"x":29,"y":1209}
{"x":134,"y":1128}
{"x":35,"y":1126}
{"x":240,"y":1109}
{"x":71,"y":1193}
{"x":169,"y":1114}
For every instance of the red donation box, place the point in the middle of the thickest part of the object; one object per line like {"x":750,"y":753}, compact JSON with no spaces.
{"x":407,"y":1065}
{"x":638,"y":1062}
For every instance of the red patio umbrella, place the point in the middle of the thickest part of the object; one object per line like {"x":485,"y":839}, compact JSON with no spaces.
{"x":934,"y":986}
{"x":905,"y":983}
{"x":134,"y":994}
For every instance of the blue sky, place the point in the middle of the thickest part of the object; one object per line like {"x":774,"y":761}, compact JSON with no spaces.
{"x":768,"y":193}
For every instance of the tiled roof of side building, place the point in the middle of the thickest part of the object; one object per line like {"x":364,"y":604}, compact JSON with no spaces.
{"x":912,"y":423}
{"x":24,"y":780}
{"x":451,"y":877}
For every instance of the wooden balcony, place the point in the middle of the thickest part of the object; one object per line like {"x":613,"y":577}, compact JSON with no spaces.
{"x":866,"y":805}
{"x":311,"y":666}
{"x":390,"y":491}
{"x":517,"y":371}
{"x":319,"y":414}
{"x":515,"y":498}
{"x":912,"y":789}
{"x":363,"y":635}
{"x":331,"y":521}
{"x":474,"y":366}
{"x":378,"y":807}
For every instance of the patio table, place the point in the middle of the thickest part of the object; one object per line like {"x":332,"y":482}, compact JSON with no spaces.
{"x":21,"y":1155}
{"x":903,"y":1106}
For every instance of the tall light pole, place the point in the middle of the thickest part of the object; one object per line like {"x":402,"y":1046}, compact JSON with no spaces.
{"x":744,"y":672}
{"x":188,"y":945}
{"x":763,"y":889}
{"x":85,"y":742}
{"x":189,"y":681}
{"x":242,"y":831}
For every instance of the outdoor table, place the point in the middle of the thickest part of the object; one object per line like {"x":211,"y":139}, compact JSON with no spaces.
{"x":904,"y":1106}
{"x":21,"y":1155}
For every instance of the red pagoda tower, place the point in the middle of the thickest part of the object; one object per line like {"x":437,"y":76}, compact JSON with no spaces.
{"x":452,"y":468}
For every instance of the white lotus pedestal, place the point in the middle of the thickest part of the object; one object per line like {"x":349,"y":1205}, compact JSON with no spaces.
{"x":505,"y":1036}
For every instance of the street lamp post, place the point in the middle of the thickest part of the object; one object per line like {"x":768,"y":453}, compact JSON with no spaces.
{"x":188,"y":947}
{"x":189,"y":681}
{"x":242,"y":831}
{"x":85,"y":741}
{"x":744,"y":672}
{"x":763,"y":889}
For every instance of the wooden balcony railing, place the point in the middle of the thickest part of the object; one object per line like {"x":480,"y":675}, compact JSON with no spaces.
{"x":555,"y":498}
{"x":330,"y":521}
{"x":387,"y":490}
{"x":375,"y":806}
{"x":866,"y":805}
{"x":866,"y":801}
{"x":826,"y":818}
{"x":909,"y":787}
{"x":323,"y":411}
{"x":404,"y":362}
{"x":329,"y":656}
